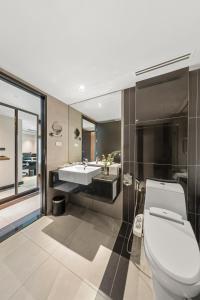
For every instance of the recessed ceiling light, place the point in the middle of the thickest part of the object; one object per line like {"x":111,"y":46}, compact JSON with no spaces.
{"x":99,"y":105}
{"x":81,"y":87}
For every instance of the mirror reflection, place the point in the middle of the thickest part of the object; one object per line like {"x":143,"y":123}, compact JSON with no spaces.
{"x":101,"y":147}
{"x":94,"y":167}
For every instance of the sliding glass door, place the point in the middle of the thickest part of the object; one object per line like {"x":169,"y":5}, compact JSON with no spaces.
{"x":7,"y":152}
{"x":27,"y":151}
{"x":18,"y":152}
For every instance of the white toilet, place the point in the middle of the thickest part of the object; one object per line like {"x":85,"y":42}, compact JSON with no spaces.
{"x":170,"y":244}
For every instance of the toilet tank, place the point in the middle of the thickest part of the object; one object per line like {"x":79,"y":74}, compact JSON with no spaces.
{"x":165,"y":195}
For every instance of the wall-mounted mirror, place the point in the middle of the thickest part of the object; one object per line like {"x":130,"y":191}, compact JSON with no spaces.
{"x":94,"y":139}
{"x":101,"y":127}
{"x":91,"y":173}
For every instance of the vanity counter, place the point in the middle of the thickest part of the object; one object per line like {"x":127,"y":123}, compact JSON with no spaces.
{"x":106,"y":178}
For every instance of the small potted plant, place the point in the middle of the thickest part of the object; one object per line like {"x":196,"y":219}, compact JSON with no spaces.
{"x":107,"y":161}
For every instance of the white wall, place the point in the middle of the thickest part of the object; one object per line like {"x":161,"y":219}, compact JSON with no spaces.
{"x":56,"y":155}
{"x":29,"y":143}
{"x":7,"y":140}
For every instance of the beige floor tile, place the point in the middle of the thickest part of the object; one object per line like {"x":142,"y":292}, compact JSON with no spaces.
{"x":35,"y":233}
{"x":138,"y":286}
{"x":86,"y":240}
{"x":22,"y":294}
{"x":11,"y":244}
{"x":40,"y":283}
{"x":62,"y":227}
{"x":54,"y":282}
{"x":102,"y":223}
{"x":39,"y":225}
{"x":9,"y":282}
{"x":25,"y":260}
{"x":69,"y":287}
{"x":75,"y":257}
{"x":65,"y":258}
{"x":43,"y":240}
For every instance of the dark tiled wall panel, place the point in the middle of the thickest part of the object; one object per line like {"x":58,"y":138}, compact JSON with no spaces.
{"x":138,"y":112}
{"x":194,"y":152}
{"x":128,"y":150}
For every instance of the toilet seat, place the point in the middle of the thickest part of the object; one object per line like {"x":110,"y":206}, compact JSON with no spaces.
{"x":173,"y":248}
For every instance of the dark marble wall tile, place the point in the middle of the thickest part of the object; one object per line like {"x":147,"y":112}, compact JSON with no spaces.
{"x":192,"y":153}
{"x":191,"y":205}
{"x":132,"y":105}
{"x":198,"y":88}
{"x":193,"y":93}
{"x":125,"y":204}
{"x":132,"y":142}
{"x":126,"y":108}
{"x":128,"y":149}
{"x":198,"y":140}
{"x":126,"y":167}
{"x":192,"y":219}
{"x":144,"y":171}
{"x":126,"y":143}
{"x":197,"y":199}
{"x":197,"y":229}
{"x":162,"y":97}
{"x":131,"y":203}
{"x":163,"y":142}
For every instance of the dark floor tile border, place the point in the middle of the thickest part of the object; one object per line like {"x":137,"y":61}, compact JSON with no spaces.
{"x":119,"y":283}
{"x":123,"y":229}
{"x":19,"y":224}
{"x":114,"y":279}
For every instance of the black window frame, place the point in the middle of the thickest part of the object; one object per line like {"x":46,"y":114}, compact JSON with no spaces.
{"x":43,"y":122}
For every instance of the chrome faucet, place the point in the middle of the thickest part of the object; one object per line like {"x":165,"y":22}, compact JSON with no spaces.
{"x":85,"y":163}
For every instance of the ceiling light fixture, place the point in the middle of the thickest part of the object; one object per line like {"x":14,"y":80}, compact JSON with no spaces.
{"x":81,"y":87}
{"x":99,"y":105}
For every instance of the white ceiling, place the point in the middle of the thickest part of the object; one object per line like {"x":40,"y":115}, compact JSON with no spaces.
{"x":19,"y":98}
{"x":101,"y":109}
{"x":59,"y":45}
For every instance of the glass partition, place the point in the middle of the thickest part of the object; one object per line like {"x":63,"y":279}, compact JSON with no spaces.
{"x":18,"y":152}
{"x":7,"y":152}
{"x":27,"y":151}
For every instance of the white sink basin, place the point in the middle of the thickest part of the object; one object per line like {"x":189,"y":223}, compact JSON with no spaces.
{"x":79,"y":174}
{"x":94,"y":164}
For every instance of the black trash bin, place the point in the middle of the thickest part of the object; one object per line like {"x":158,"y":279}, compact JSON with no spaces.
{"x":58,"y":205}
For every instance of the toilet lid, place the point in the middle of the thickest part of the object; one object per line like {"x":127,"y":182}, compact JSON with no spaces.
{"x":173,"y":248}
